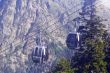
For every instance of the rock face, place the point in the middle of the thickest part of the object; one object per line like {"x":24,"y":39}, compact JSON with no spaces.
{"x":20,"y":22}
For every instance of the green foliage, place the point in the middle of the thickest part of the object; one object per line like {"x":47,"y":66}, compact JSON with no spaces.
{"x":92,"y":59}
{"x":63,"y":66}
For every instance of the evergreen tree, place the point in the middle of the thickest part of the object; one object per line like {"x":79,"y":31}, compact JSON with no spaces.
{"x":63,"y":66}
{"x":92,"y":59}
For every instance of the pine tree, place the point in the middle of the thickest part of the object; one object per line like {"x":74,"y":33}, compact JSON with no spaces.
{"x":63,"y":66}
{"x":92,"y":59}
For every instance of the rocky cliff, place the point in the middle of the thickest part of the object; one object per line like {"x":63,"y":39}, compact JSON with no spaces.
{"x":20,"y":21}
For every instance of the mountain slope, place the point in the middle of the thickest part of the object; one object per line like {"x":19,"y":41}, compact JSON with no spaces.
{"x":20,"y":22}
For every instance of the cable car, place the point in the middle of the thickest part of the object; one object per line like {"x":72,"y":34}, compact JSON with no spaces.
{"x":40,"y":54}
{"x":72,"y":40}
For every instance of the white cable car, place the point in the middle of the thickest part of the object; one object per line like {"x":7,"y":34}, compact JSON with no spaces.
{"x":40,"y":54}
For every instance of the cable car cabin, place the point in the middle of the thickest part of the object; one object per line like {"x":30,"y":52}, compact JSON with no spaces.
{"x":72,"y":40}
{"x":40,"y":54}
